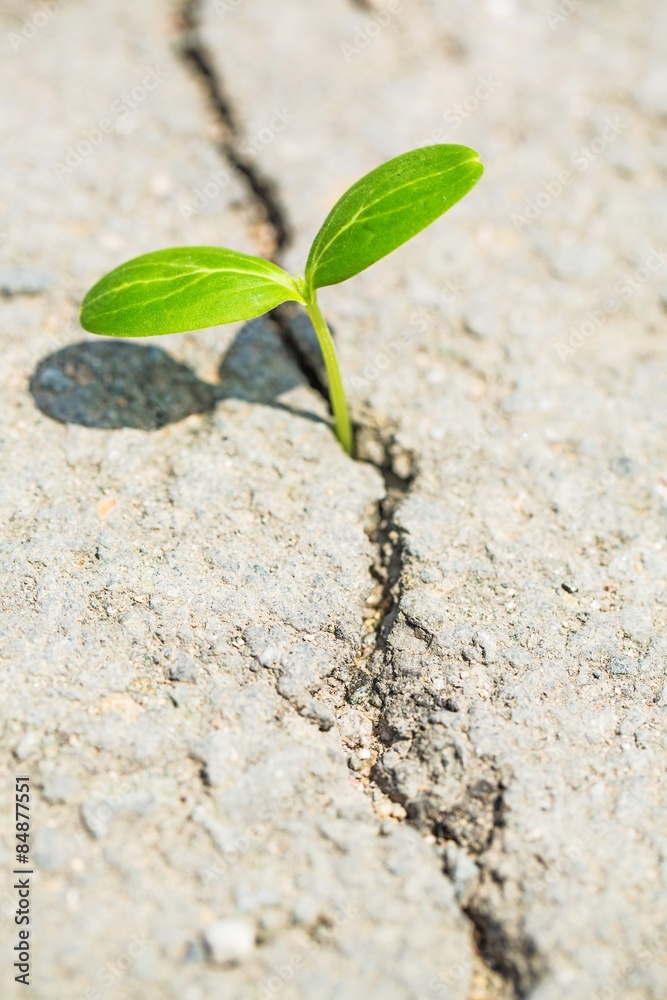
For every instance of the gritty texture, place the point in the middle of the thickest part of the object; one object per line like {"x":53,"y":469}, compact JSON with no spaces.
{"x":184,"y":575}
{"x":294,"y":728}
{"x":512,"y":357}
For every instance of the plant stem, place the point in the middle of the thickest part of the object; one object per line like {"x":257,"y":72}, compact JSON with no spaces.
{"x":336,"y":390}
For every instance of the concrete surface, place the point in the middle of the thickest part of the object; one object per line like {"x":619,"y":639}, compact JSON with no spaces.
{"x":296,"y":728}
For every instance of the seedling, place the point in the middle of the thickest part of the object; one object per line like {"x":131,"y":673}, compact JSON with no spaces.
{"x":187,"y":288}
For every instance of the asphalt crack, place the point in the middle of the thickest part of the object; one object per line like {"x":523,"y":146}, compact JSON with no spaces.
{"x":195,"y":54}
{"x":494,"y":978}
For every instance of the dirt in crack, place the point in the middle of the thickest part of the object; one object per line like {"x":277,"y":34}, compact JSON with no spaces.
{"x":196,"y":55}
{"x":396,"y":466}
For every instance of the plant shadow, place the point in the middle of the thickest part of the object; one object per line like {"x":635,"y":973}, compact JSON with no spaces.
{"x":109,"y":384}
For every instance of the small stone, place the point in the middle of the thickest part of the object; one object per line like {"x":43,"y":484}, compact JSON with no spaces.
{"x":482,"y":648}
{"x":183,"y":669}
{"x":230,"y":941}
{"x":384,"y":808}
{"x":26,"y":746}
{"x":355,"y":728}
{"x":452,"y":705}
{"x":105,"y":506}
{"x":569,"y":587}
{"x":622,"y":665}
{"x":361,"y":694}
{"x":96,"y":816}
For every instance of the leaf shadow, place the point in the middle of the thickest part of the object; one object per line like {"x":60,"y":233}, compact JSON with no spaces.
{"x":109,"y":384}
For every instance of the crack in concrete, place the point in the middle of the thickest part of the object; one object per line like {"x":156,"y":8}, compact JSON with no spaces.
{"x":494,"y":977}
{"x":491,"y":938}
{"x":282,"y":318}
{"x":195,"y":53}
{"x":387,"y":537}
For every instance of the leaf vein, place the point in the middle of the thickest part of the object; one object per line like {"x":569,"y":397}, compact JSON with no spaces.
{"x":417,"y":180}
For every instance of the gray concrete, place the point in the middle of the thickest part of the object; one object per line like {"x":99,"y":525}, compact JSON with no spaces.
{"x":256,"y":773}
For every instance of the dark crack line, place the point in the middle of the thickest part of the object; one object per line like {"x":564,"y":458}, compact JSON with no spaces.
{"x":196,"y":55}
{"x":388,"y":539}
{"x":385,"y":532}
{"x":264,"y":191}
{"x":492,"y":946}
{"x":281,"y":319}
{"x":490,"y":936}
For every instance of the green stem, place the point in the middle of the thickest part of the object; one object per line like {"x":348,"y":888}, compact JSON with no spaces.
{"x":336,"y":390}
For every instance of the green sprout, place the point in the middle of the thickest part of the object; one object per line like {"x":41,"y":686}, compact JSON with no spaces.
{"x":188,"y":288}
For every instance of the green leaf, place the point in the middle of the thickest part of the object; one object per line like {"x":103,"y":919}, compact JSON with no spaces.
{"x":187,"y":288}
{"x":388,"y":207}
